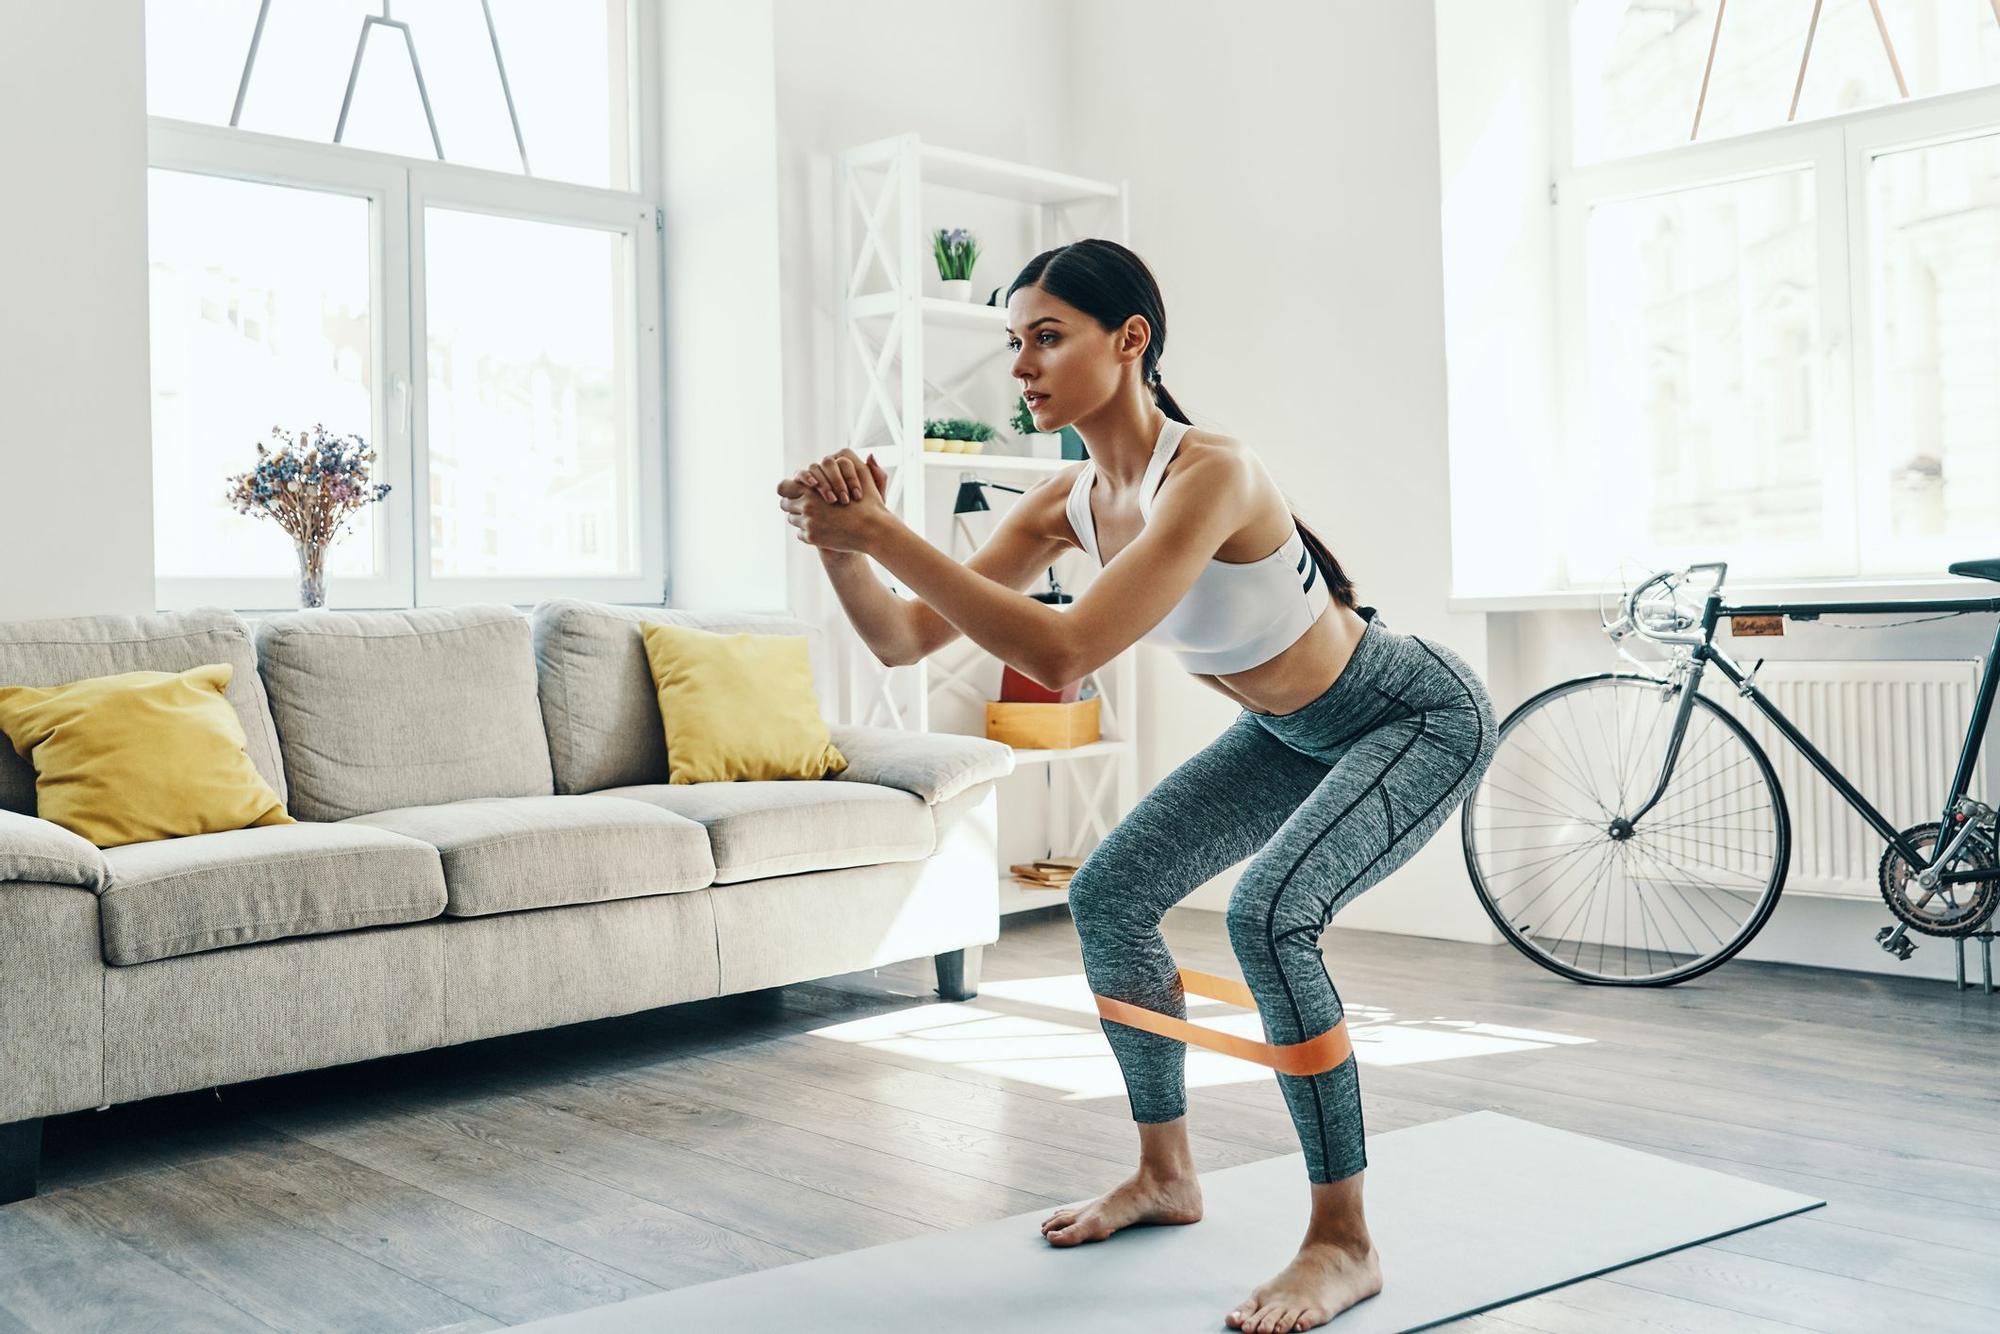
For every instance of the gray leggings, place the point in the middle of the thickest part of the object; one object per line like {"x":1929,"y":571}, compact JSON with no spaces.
{"x":1324,"y":801}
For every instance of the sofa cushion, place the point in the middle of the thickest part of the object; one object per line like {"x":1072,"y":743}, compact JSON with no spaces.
{"x":381,"y":710}
{"x":737,"y":706}
{"x":936,"y":766}
{"x":782,"y":826}
{"x":56,"y":652}
{"x":506,"y":853}
{"x":138,"y":756}
{"x":183,"y":895}
{"x":599,"y":702}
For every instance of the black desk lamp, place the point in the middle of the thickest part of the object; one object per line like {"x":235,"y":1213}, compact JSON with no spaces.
{"x":972,"y":498}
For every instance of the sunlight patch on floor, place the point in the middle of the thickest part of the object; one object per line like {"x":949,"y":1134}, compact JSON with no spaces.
{"x":1008,"y":1032}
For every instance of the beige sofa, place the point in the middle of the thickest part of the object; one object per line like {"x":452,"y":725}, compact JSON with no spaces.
{"x":488,"y":844}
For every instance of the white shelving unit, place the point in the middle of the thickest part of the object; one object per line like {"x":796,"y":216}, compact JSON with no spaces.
{"x":897,"y":340}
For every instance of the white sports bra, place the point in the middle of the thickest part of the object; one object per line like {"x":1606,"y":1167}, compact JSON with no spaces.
{"x":1238,"y":613}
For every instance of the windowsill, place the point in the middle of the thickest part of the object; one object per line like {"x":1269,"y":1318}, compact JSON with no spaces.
{"x":1827,"y":590}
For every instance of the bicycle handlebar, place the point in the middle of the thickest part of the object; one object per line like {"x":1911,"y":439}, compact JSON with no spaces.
{"x":1658,"y":624}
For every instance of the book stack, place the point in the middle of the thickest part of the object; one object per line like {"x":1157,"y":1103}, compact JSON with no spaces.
{"x":1046,"y":872}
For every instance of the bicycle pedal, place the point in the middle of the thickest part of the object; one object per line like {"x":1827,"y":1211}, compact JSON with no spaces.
{"x":1896,"y":942}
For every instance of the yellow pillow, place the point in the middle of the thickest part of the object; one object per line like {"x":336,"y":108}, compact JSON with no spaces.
{"x":738,"y":706}
{"x":139,"y":756}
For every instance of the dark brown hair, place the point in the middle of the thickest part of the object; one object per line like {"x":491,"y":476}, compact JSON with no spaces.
{"x":1111,"y":284}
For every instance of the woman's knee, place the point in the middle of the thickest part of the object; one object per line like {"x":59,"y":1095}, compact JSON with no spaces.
{"x":1087,"y":893}
{"x":1261,"y":913}
{"x":1102,"y":894}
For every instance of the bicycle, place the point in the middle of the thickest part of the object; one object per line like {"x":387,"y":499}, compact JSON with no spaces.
{"x":1569,"y":843}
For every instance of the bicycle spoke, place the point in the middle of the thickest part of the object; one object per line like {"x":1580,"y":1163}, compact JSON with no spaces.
{"x":1582,"y":860}
{"x":1581,"y":843}
{"x":1645,"y":919}
{"x":1703,"y":885}
{"x":1589,"y":887}
{"x":1539,"y":809}
{"x":1653,"y":828}
{"x":1570,"y":779}
{"x":1701,"y":861}
{"x":1559,"y":880}
{"x":1604,"y":919}
{"x":1718,"y":797}
{"x":1611,"y":758}
{"x":1574,"y":757}
{"x":1585,"y":792}
{"x":1667,"y":905}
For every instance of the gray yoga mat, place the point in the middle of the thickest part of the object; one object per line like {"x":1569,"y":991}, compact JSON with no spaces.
{"x":1467,"y":1213}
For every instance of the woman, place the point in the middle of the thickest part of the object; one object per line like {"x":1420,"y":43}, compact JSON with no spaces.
{"x":1353,"y":743}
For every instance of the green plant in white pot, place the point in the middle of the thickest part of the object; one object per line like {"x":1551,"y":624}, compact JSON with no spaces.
{"x":956,"y":435}
{"x":1034,"y":443}
{"x":957,"y":251}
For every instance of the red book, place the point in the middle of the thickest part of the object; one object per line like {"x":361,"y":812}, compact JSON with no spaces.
{"x":1018,"y":689}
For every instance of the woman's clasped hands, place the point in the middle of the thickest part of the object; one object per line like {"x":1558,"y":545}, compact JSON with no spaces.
{"x":836,"y":504}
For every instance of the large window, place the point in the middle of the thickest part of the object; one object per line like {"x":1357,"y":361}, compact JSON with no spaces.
{"x":1778,"y":262}
{"x":430,"y":225}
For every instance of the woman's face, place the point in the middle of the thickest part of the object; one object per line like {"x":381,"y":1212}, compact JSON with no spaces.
{"x":1064,"y":363}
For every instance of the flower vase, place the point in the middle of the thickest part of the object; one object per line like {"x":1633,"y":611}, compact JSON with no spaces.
{"x":312,"y":574}
{"x":957,"y":289}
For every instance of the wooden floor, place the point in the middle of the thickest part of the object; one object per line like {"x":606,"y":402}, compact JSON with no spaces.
{"x":506,"y":1180}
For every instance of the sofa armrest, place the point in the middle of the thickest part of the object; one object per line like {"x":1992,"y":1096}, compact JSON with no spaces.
{"x":41,"y":850}
{"x":937,"y":766}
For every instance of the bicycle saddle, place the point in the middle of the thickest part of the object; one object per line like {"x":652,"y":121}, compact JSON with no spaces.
{"x":1978,"y":569}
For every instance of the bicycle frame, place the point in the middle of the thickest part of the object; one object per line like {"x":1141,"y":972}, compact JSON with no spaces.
{"x":1703,"y":651}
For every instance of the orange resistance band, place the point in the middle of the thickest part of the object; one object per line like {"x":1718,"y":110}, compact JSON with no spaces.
{"x":1312,"y":1057}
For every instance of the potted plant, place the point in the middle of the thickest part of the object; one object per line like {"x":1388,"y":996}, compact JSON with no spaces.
{"x":1035,"y":444}
{"x":957,"y":251}
{"x":956,"y":435}
{"x":311,"y":486}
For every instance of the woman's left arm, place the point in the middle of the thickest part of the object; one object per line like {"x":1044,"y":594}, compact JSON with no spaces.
{"x":1025,"y":634}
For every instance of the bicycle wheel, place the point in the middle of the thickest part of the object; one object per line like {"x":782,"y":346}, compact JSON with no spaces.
{"x":1585,"y":892}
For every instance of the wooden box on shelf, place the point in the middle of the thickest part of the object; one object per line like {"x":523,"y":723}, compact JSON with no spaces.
{"x":1043,"y":726}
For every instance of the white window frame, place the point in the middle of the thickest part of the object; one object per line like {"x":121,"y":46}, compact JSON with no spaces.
{"x":1837,"y":149}
{"x":398,"y":189}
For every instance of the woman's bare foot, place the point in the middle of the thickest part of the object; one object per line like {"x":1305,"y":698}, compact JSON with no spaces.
{"x":1323,"y":1280}
{"x":1142,"y":1199}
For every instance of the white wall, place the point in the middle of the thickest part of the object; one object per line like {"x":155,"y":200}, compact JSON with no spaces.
{"x":1494,"y":89}
{"x":76,"y":461}
{"x":722,"y":343}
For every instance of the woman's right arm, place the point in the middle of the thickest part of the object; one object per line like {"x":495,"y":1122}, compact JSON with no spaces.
{"x":1031,"y":534}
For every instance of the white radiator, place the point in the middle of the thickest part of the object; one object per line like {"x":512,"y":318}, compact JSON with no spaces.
{"x":1893,"y":728}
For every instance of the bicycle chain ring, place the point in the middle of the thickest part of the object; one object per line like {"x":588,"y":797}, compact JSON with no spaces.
{"x":1939,"y":916}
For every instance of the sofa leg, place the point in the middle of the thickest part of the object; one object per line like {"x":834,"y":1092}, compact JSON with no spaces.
{"x":958,"y":973}
{"x":20,"y":1158}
